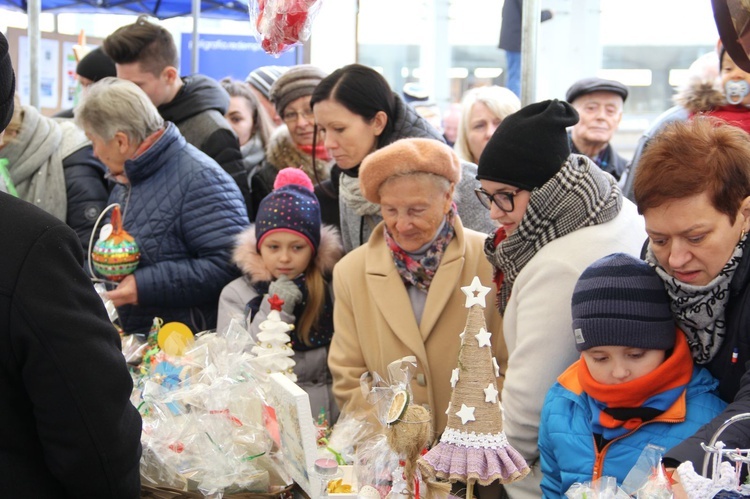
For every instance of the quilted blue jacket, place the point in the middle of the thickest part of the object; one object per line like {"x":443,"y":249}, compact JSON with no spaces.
{"x":566,"y":444}
{"x":183,"y":211}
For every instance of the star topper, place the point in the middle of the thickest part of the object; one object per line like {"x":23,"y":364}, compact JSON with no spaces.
{"x":275,"y":302}
{"x":475,"y":293}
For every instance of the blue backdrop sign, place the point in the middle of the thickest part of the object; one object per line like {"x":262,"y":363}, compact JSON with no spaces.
{"x":230,"y":55}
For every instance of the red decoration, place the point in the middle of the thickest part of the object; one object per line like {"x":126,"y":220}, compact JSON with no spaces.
{"x":282,"y":23}
{"x":275,"y":302}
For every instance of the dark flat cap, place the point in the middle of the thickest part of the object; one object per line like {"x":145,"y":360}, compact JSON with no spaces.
{"x":589,"y":85}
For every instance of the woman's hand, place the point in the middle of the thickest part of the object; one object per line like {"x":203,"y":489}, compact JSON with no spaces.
{"x":126,"y":292}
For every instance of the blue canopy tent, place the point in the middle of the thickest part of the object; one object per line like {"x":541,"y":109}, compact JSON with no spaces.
{"x":161,"y":9}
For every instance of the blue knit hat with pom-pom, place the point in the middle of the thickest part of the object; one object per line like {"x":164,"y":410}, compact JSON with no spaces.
{"x":291,"y":207}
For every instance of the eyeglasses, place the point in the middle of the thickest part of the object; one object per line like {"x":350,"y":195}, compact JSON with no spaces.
{"x":292,"y":116}
{"x":503,"y":200}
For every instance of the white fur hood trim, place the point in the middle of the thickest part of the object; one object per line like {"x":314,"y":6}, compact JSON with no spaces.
{"x":247,"y":258}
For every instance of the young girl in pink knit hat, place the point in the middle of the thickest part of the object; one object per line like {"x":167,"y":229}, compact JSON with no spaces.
{"x":288,"y":253}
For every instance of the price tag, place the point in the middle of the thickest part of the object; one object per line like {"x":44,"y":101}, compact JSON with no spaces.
{"x":105,"y":232}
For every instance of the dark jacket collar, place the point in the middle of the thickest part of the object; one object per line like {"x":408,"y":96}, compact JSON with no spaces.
{"x":198,"y":94}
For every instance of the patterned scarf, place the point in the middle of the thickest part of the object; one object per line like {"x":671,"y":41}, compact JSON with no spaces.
{"x":619,"y":409}
{"x":419,"y":272}
{"x":578,"y":196}
{"x":699,"y":310}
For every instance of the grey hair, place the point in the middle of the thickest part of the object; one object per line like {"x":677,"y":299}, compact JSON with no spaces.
{"x":114,"y":105}
{"x":438,"y":181}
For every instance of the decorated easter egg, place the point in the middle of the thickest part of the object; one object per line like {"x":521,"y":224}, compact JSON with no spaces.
{"x":116,"y":254}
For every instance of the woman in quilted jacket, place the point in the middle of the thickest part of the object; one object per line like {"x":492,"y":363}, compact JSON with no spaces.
{"x":181,"y":207}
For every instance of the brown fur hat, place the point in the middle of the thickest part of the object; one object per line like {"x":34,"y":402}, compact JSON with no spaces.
{"x":407,"y":156}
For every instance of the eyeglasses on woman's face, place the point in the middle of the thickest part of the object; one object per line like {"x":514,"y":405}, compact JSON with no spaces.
{"x":502,"y":199}
{"x":291,"y":117}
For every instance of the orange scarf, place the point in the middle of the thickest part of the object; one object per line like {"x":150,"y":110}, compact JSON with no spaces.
{"x":658,"y":389}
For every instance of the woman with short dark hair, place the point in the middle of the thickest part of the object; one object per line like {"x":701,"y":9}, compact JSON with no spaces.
{"x":693,"y":189}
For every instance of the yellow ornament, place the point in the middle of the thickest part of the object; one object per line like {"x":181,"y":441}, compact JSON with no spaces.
{"x":175,"y":338}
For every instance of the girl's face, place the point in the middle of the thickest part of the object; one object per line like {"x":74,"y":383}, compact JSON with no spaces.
{"x":348,"y":136}
{"x":285,"y":253}
{"x":240,"y":118}
{"x":612,"y":365}
{"x":482,"y":124}
{"x":691,"y":239}
{"x":731,"y":73}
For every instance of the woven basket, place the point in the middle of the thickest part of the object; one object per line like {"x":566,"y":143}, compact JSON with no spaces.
{"x":148,"y":491}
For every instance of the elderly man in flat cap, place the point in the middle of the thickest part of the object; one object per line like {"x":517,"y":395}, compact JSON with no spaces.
{"x":599,"y":103}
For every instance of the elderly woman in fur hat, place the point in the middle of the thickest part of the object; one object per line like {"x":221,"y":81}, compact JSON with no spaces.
{"x":400,"y":293}
{"x":291,"y":145}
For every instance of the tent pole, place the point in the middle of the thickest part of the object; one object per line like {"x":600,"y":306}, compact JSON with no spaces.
{"x":196,"y":18}
{"x":532,"y":10}
{"x":35,"y":42}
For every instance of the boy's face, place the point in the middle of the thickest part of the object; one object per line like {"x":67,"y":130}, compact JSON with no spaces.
{"x":612,"y":365}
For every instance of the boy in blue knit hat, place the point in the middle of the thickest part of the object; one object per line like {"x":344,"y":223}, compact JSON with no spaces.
{"x":635,"y":383}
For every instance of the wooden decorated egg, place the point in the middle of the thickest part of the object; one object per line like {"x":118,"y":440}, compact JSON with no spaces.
{"x":115,"y":254}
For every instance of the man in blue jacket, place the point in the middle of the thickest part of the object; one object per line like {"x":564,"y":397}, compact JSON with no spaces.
{"x":146,"y":54}
{"x":183,"y":210}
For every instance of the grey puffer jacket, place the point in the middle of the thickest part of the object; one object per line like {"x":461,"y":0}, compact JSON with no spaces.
{"x":356,"y":229}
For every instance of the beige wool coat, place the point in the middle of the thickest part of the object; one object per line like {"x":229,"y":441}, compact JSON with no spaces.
{"x":374,"y":323}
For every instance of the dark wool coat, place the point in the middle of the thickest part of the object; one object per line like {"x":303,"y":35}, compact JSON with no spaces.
{"x":67,"y":427}
{"x":734,"y":377}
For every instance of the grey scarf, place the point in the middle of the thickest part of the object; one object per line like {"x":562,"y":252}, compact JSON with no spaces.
{"x":35,"y":159}
{"x":699,"y":310}
{"x":352,"y":195}
{"x":253,"y":153}
{"x":578,"y":196}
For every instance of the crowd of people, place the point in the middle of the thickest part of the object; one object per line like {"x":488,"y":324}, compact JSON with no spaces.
{"x":615,"y":322}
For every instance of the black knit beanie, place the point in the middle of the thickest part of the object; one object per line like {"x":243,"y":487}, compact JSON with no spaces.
{"x":620,"y":301}
{"x":7,"y":84}
{"x":96,"y":65}
{"x":530,"y":146}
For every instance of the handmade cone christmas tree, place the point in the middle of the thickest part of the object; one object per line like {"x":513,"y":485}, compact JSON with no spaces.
{"x":473,"y":447}
{"x":273,"y":352}
{"x":116,"y":254}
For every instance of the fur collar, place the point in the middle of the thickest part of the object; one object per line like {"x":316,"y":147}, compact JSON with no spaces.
{"x":249,"y":261}
{"x":701,"y":96}
{"x":281,"y":152}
